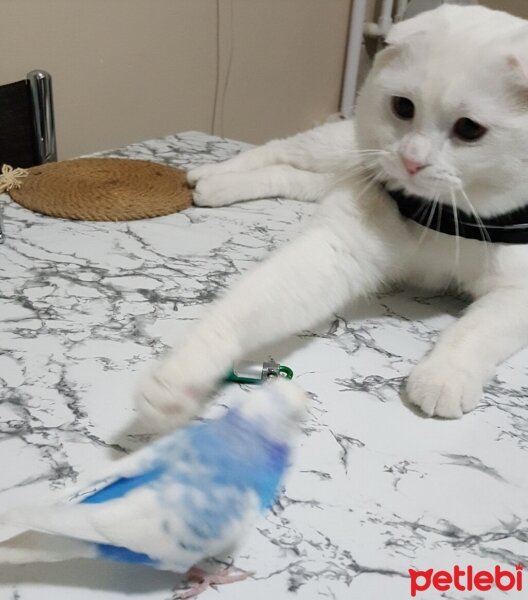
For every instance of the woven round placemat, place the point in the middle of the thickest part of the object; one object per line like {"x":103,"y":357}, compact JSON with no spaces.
{"x":103,"y":189}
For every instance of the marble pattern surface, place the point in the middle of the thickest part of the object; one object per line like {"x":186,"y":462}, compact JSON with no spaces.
{"x":375,"y":488}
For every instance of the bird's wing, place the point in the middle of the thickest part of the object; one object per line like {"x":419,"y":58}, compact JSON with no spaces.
{"x":128,"y":467}
{"x":181,"y":526}
{"x":176,"y":529}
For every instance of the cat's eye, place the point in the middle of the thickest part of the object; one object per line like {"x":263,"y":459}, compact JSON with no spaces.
{"x":402,"y":107}
{"x":468,"y":130}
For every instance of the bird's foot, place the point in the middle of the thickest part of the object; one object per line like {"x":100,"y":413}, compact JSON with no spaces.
{"x":200,"y":580}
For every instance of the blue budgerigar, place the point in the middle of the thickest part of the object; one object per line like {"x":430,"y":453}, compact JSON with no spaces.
{"x":191,"y":495}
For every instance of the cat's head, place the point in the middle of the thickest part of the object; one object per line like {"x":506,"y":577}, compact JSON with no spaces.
{"x":447,"y":104}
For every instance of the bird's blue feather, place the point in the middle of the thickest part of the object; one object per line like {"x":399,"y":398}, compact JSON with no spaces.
{"x":234,"y":451}
{"x":240,"y":455}
{"x":120,"y":487}
{"x":120,"y":554}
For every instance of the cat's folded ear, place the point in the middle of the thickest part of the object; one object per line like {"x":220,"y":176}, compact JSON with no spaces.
{"x":422,"y":24}
{"x":401,"y":35}
{"x":517,"y":58}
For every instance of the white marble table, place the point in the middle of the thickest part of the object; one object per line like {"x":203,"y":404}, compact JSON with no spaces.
{"x":375,"y":489}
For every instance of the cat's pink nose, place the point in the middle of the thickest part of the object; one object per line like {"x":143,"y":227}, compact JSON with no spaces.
{"x":412,"y":166}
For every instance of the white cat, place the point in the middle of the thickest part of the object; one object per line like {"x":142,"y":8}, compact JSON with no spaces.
{"x":443,"y":115}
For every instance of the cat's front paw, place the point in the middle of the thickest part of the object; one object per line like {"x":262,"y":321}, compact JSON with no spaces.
{"x":166,"y":398}
{"x":440,"y":387}
{"x":219,"y":190}
{"x":202,"y":172}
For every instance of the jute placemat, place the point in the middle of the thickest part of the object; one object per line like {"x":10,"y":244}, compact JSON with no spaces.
{"x":103,"y":189}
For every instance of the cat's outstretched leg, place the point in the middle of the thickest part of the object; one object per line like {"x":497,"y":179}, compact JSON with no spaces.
{"x":325,"y":149}
{"x":269,"y":182}
{"x":449,"y":381}
{"x":338,"y":258}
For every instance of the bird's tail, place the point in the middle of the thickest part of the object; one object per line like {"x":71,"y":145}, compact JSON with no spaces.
{"x":23,"y":543}
{"x":34,"y":546}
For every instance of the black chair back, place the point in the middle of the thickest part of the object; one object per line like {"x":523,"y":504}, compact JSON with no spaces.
{"x":27,"y":126}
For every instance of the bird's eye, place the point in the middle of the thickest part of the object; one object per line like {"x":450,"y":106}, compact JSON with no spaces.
{"x":468,"y":130}
{"x":402,"y":107}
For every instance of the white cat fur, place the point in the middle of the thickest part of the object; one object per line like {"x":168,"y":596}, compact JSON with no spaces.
{"x":453,"y":62}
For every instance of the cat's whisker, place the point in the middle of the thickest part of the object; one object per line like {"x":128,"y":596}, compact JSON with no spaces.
{"x":368,"y":180}
{"x":361,"y":161}
{"x":369,"y":151}
{"x":370,"y":183}
{"x":368,"y":159}
{"x":362,"y":168}
{"x":432,"y":211}
{"x":482,"y":228}
{"x":417,"y":216}
{"x":370,"y":174}
{"x":439,"y":218}
{"x":352,"y":173}
{"x":366,"y":152}
{"x":361,"y":158}
{"x":420,"y":213}
{"x":457,"y":242}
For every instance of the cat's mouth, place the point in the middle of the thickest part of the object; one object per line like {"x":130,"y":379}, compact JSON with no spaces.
{"x":430,"y":182}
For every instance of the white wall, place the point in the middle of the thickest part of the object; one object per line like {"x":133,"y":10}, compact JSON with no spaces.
{"x":127,"y":70}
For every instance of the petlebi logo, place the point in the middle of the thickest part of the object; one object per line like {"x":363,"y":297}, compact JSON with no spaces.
{"x":467,"y":579}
